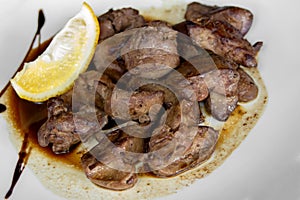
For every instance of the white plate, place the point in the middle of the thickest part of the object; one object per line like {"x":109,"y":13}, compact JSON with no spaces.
{"x":265,"y":166}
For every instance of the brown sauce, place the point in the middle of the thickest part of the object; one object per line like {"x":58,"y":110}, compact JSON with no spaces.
{"x":230,"y":125}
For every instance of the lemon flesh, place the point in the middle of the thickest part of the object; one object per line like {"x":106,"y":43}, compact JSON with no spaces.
{"x":69,"y":54}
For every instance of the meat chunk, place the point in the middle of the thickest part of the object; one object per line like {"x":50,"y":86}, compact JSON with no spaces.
{"x":195,"y":10}
{"x":115,"y":21}
{"x":172,"y":115}
{"x":151,"y":52}
{"x":223,"y":81}
{"x":223,"y":97}
{"x":63,"y":128}
{"x":90,"y":90}
{"x":221,"y":106}
{"x":184,"y":113}
{"x":192,"y":88}
{"x":56,"y":106}
{"x":140,"y":103}
{"x":158,"y":23}
{"x":121,"y":104}
{"x":112,"y":177}
{"x":224,"y":40}
{"x":239,"y":18}
{"x":188,"y":69}
{"x":177,"y":109}
{"x":136,"y":105}
{"x":199,"y":86}
{"x":222,"y":84}
{"x":179,"y":157}
{"x":60,"y":132}
{"x":222,"y":62}
{"x":199,"y":65}
{"x":247,"y":89}
{"x":114,"y":71}
{"x":106,"y":177}
{"x":220,"y":38}
{"x":76,"y":113}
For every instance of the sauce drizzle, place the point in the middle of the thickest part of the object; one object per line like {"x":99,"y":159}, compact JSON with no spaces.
{"x":25,"y":149}
{"x":20,"y":166}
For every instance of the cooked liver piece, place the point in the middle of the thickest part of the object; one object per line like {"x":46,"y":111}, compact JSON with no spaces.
{"x":115,"y":21}
{"x":200,"y":149}
{"x":224,"y":40}
{"x":247,"y":89}
{"x":63,"y":129}
{"x":152,"y":51}
{"x":113,"y":178}
{"x":220,"y":106}
{"x":239,"y":18}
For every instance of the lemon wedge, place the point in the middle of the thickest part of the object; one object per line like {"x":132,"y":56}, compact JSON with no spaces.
{"x":69,"y":54}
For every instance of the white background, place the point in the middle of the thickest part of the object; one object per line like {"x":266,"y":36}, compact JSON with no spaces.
{"x":266,"y":166}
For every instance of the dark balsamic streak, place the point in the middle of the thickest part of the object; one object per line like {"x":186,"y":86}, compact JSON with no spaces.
{"x":25,"y":149}
{"x":41,"y":22}
{"x":2,"y":108}
{"x":22,"y":161}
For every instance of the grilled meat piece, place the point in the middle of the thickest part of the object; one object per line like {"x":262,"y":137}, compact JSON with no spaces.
{"x":115,"y":21}
{"x":195,"y":10}
{"x":239,"y":18}
{"x":90,"y":90}
{"x":114,"y":71}
{"x":116,"y":102}
{"x":221,"y":106}
{"x":140,"y":103}
{"x":179,"y":157}
{"x":172,"y":115}
{"x":224,"y":40}
{"x":63,"y":128}
{"x":112,"y":177}
{"x":221,"y":38}
{"x":184,"y":113}
{"x":127,"y":105}
{"x":158,"y":23}
{"x":191,"y":88}
{"x":106,"y":177}
{"x":56,"y":106}
{"x":199,"y":86}
{"x":59,"y":129}
{"x":69,"y":119}
{"x":204,"y":64}
{"x":222,"y":62}
{"x":151,"y":52}
{"x":223,"y":81}
{"x":247,"y":89}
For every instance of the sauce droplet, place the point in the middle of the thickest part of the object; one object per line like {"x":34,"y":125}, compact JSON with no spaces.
{"x":2,"y":108}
